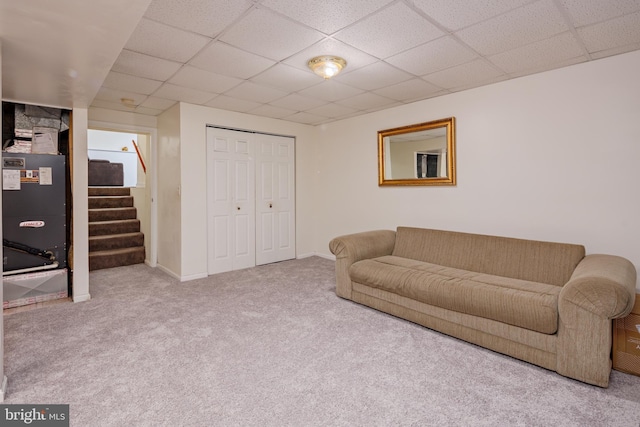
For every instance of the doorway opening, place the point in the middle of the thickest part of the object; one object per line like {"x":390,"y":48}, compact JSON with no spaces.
{"x":121,"y":201}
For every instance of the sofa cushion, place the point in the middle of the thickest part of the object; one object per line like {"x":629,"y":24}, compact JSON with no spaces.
{"x":522,"y":303}
{"x":536,"y":261}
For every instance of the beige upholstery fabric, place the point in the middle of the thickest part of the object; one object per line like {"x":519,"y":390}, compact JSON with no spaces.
{"x":422,"y":283}
{"x":355,"y":247}
{"x":524,"y":344}
{"x":516,"y":302}
{"x":602,"y":288}
{"x":543,"y":262}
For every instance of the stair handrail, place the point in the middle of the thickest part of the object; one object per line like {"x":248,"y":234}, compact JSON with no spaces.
{"x":144,"y":168}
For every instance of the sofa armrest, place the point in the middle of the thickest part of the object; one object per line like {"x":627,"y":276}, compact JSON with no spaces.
{"x":355,"y":247}
{"x":604,"y":285}
{"x":601,"y":288}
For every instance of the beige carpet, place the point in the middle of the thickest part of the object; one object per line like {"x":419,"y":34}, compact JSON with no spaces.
{"x":274,"y":346}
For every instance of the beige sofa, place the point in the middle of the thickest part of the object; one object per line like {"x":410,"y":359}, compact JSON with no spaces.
{"x":541,"y":302}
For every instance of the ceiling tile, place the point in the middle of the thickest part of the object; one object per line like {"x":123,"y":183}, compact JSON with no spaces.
{"x":148,"y":111}
{"x":286,"y":77}
{"x":327,"y":16}
{"x":389,"y":31}
{"x":615,"y":32}
{"x":476,"y":72}
{"x":539,"y":55}
{"x":331,"y":90}
{"x":233,"y":104}
{"x":254,"y":92}
{"x":306,"y":118}
{"x":433,"y":56}
{"x":298,"y":102}
{"x":536,"y":21}
{"x":114,"y":95}
{"x":141,"y":65}
{"x":332,"y":110}
{"x":229,"y":61}
{"x":367,"y":101}
{"x":457,"y":14}
{"x":263,"y":32}
{"x":118,"y":106}
{"x":546,"y":67}
{"x":195,"y":78}
{"x":374,"y":76}
{"x":181,"y":93}
{"x":409,"y":91}
{"x":207,"y":17}
{"x":615,"y":51}
{"x":130,"y":83}
{"x":156,"y":39}
{"x":158,"y":103}
{"x":585,"y":12}
{"x":355,"y":58}
{"x":272,"y":111}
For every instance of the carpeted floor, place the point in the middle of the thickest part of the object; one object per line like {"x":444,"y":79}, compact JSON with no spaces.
{"x":274,"y":346}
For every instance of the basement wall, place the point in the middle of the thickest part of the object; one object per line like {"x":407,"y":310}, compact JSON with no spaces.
{"x":552,"y":156}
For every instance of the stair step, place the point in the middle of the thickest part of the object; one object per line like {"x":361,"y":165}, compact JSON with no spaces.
{"x":115,"y":241}
{"x":102,"y":228}
{"x":109,"y":191}
{"x":112,"y":214}
{"x":115,"y":258}
{"x":98,"y":202}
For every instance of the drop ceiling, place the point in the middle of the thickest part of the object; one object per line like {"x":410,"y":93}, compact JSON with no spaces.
{"x":250,"y":56}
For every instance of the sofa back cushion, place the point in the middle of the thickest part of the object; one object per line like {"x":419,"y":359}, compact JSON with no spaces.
{"x":543,"y":262}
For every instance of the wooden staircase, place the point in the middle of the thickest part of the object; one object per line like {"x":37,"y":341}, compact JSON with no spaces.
{"x":114,"y":230}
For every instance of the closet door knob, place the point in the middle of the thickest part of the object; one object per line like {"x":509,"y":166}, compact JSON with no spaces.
{"x":270,"y":205}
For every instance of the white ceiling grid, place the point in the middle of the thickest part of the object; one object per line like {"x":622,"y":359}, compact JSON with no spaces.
{"x":251,"y":56}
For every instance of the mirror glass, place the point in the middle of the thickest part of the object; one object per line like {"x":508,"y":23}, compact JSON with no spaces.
{"x":421,"y":154}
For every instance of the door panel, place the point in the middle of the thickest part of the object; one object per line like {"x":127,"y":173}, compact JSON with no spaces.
{"x":230,"y":201}
{"x":275,"y":204}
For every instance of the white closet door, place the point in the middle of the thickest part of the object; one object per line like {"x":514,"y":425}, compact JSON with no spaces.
{"x":230,"y":200}
{"x":275,"y":199}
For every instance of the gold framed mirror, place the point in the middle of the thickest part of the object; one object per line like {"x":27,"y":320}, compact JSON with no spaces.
{"x":420,"y":154}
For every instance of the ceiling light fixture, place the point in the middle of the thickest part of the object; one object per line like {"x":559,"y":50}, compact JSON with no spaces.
{"x":327,"y":66}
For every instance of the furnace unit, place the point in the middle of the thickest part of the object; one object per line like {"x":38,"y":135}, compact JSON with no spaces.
{"x":33,"y":227}
{"x":33,"y":211}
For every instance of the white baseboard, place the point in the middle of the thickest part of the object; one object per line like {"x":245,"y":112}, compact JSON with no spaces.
{"x":302,"y":256}
{"x":181,"y":278}
{"x":169,"y":272}
{"x":82,"y":298}
{"x":331,"y":257}
{"x":193,"y":277}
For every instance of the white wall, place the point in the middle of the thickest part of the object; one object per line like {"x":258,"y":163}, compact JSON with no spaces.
{"x":80,"y":214}
{"x":111,"y":141}
{"x":169,"y":192}
{"x":127,"y":119}
{"x":553,"y":156}
{"x":143,"y":195}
